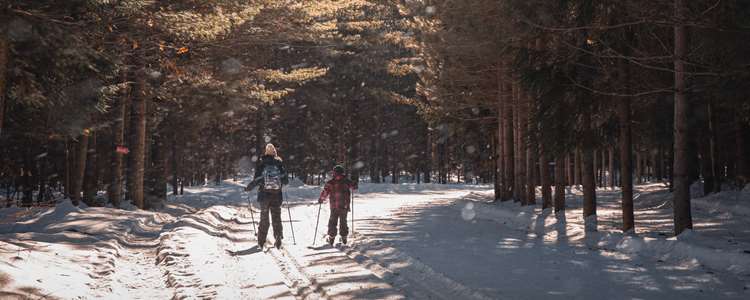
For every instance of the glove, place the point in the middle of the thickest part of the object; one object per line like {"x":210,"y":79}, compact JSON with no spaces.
{"x":321,"y":200}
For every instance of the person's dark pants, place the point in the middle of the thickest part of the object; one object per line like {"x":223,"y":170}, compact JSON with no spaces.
{"x":338,"y":217}
{"x":270,"y":202}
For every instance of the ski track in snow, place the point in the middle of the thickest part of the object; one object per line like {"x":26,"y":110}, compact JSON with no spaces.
{"x":202,"y":257}
{"x":415,"y":278}
{"x":301,"y":285}
{"x":203,"y":246}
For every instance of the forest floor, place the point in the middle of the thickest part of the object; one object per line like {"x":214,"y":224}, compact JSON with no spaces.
{"x":410,"y":241}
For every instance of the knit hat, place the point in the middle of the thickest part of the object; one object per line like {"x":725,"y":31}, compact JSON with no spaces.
{"x":338,"y":169}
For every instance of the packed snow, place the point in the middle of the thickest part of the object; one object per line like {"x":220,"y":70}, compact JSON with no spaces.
{"x":415,"y":241}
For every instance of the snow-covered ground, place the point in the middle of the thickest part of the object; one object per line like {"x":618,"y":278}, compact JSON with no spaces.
{"x":410,"y":241}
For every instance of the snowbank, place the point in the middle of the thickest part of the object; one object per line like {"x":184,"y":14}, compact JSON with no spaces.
{"x":683,"y":248}
{"x":721,"y":210}
{"x":731,"y":203}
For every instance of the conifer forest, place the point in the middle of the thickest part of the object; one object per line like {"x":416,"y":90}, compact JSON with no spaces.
{"x":476,"y":149}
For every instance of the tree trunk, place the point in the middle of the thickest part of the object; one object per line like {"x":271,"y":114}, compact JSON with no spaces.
{"x":559,"y":184}
{"x":68,"y":168}
{"x":603,"y":168}
{"x":681,"y":201}
{"x":373,"y":168}
{"x":743,"y":170}
{"x":715,"y":174}
{"x":516,"y":145}
{"x":157,"y":187}
{"x":428,"y":159}
{"x":394,"y":176}
{"x":647,"y":165}
{"x":569,"y":170}
{"x":545,"y":178}
{"x":659,"y":163}
{"x":596,"y":167}
{"x":611,"y":168}
{"x":652,"y":166}
{"x":175,"y":169}
{"x":442,"y":161}
{"x":599,"y":159}
{"x":27,"y":173}
{"x":4,"y":58}
{"x":531,"y":176}
{"x":90,"y":178}
{"x":80,"y":167}
{"x":508,"y":149}
{"x":626,"y":176}
{"x":130,"y":126}
{"x":705,"y":168}
{"x":115,"y":188}
{"x":42,"y":176}
{"x":530,"y":151}
{"x":523,"y":146}
{"x":663,"y":162}
{"x":638,"y":170}
{"x":138,"y":149}
{"x":497,"y":161}
{"x":500,"y":140}
{"x":589,"y":185}
{"x":577,"y":166}
{"x":644,"y":168}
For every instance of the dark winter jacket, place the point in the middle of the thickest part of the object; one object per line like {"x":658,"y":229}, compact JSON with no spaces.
{"x":267,"y":160}
{"x":339,"y":190}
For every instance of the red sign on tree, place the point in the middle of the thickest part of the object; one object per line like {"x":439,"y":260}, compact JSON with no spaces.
{"x":122,"y":149}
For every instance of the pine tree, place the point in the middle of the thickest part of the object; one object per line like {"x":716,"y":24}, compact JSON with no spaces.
{"x":681,"y":202}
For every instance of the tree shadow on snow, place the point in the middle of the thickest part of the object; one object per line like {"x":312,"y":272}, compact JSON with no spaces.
{"x":551,"y":251}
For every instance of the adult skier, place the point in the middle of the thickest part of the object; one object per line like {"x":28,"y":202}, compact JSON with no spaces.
{"x":270,"y":177}
{"x":339,"y":190}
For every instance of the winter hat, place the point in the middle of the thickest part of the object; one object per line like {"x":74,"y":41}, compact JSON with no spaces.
{"x":338,"y":169}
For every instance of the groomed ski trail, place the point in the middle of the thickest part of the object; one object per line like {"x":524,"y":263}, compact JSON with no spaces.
{"x":194,"y":255}
{"x":415,"y":278}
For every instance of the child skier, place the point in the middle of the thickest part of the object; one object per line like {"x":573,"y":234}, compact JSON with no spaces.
{"x":339,"y":191}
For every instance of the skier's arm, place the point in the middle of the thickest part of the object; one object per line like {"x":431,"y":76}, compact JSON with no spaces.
{"x":284,"y":175}
{"x":253,"y":184}
{"x":353,"y":184}
{"x":259,"y":169}
{"x":324,"y":193}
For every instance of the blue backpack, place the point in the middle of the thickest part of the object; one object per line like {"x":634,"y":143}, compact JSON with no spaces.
{"x":271,"y":178}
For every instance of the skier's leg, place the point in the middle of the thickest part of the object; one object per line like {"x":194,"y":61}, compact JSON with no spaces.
{"x":343,"y":226}
{"x":264,"y":223}
{"x":278,"y":229}
{"x":332,"y":220}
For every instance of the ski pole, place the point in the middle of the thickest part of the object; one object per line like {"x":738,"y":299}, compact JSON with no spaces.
{"x":290,"y":223}
{"x":352,"y":208}
{"x":252,"y":217}
{"x":315,"y":236}
{"x":289,"y":210}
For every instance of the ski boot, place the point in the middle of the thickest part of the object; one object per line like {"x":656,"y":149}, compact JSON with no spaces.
{"x":343,"y":240}
{"x":330,"y":240}
{"x":277,"y":243}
